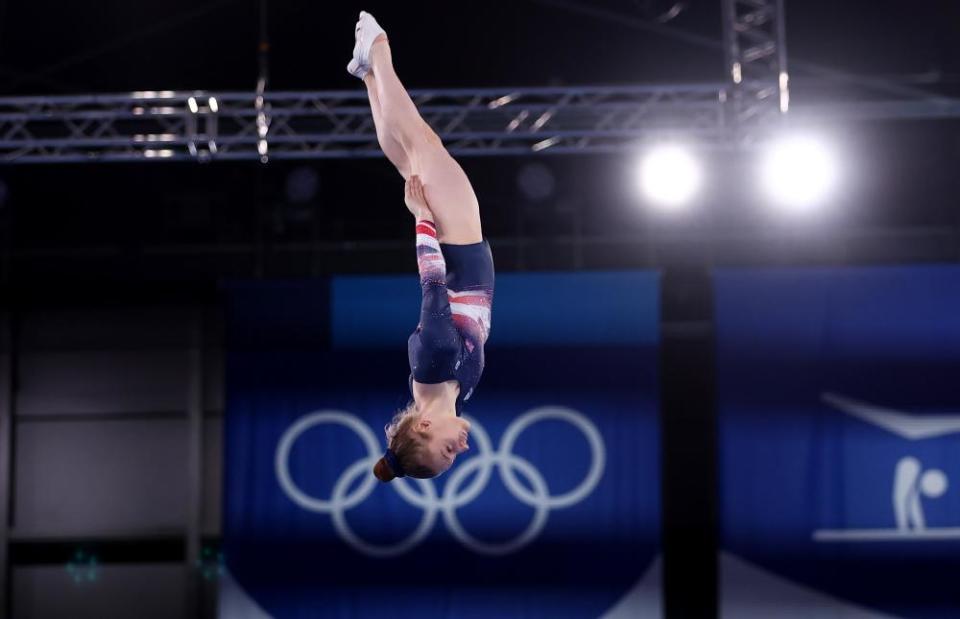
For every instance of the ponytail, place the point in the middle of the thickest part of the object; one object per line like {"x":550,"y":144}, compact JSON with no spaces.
{"x":382,"y":470}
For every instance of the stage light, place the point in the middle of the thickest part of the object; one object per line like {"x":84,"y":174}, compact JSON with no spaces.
{"x":542,"y":120}
{"x":798,"y":172}
{"x":517,"y":121}
{"x":669,"y":175}
{"x":154,"y":137}
{"x":501,"y":101}
{"x":544,"y":144}
{"x":213,"y":105}
{"x":162,"y":153}
{"x":153,"y":94}
{"x":192,"y":102}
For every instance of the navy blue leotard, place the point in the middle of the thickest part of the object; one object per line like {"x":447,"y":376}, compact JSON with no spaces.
{"x":457,"y":283}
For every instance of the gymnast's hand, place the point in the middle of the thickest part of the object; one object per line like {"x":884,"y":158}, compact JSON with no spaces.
{"x":416,"y":199}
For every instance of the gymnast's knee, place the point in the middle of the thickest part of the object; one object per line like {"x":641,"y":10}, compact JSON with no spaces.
{"x":416,"y":138}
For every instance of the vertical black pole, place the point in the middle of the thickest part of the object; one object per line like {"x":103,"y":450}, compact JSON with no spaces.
{"x":6,"y":458}
{"x":194,"y":406}
{"x":689,"y":441}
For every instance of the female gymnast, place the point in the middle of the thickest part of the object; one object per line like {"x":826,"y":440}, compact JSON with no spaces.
{"x":456,"y":272}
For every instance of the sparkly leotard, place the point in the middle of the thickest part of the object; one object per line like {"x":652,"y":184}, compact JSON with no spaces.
{"x":457,"y":283}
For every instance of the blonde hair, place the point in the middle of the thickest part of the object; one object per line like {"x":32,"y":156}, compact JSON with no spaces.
{"x":406,"y":446}
{"x":393,"y":428}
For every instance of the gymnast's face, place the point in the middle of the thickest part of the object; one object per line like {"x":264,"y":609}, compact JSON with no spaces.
{"x":446,"y":437}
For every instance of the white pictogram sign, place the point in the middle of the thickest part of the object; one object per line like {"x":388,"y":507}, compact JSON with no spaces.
{"x":911,"y":484}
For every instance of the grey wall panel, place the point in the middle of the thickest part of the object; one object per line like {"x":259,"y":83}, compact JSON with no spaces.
{"x":100,"y":477}
{"x":107,"y":329}
{"x":212,"y":475}
{"x":146,"y":591}
{"x":102,"y":382}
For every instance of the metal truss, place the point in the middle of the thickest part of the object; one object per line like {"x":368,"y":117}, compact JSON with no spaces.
{"x":756,"y":57}
{"x":204,"y":126}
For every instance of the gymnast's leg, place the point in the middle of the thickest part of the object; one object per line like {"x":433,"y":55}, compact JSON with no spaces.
{"x":391,"y":147}
{"x":448,"y":190}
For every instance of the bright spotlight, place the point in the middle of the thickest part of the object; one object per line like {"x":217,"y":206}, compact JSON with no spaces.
{"x":799,"y":172}
{"x":669,"y":175}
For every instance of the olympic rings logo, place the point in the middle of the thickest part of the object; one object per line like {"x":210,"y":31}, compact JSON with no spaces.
{"x":507,"y":463}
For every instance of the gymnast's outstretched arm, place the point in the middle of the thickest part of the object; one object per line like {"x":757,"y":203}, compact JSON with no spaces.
{"x":436,"y":329}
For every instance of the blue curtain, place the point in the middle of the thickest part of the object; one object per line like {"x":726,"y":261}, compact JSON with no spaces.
{"x":554,"y":512}
{"x":839,"y":420}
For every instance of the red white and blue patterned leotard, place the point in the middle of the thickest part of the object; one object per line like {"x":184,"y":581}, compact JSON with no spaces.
{"x":457,"y":283}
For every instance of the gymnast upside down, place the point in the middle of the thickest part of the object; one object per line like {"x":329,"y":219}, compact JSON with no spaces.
{"x":456,"y":272}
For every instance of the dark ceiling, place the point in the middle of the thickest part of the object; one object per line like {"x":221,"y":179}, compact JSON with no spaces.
{"x":50,"y":46}
{"x":251,"y":219}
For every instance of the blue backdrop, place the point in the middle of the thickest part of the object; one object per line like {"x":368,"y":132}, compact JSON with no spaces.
{"x":839,"y":418}
{"x":554,"y":512}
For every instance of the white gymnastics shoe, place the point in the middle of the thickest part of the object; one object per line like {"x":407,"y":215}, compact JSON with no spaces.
{"x":356,"y":69}
{"x":367,"y":31}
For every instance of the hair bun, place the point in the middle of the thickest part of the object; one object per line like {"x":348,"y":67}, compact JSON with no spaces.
{"x":382,"y":470}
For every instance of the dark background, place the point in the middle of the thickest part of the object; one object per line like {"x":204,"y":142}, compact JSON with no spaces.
{"x":161,"y":234}
{"x":240,"y":218}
